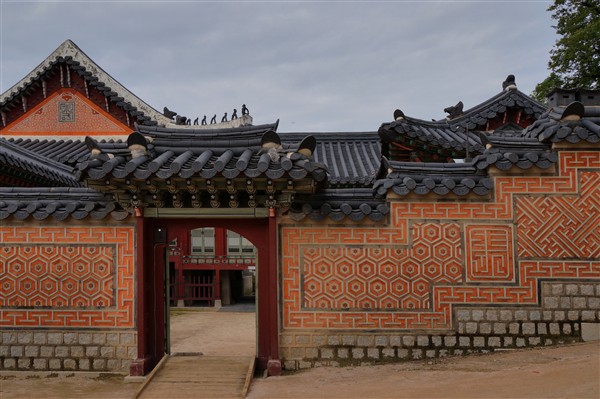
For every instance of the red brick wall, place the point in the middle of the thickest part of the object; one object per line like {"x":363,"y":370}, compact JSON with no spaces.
{"x":436,"y":255}
{"x":61,"y":277}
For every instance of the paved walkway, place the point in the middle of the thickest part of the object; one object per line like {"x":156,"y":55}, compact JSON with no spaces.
{"x":197,"y":376}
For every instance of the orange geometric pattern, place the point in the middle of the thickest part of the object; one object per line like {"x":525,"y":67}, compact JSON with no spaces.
{"x":66,"y":113}
{"x":382,"y":277}
{"x":56,"y":276}
{"x":489,"y":253}
{"x":496,"y":252}
{"x":86,"y":284}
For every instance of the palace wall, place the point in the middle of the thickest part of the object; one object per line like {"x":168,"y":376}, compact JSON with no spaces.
{"x":447,"y":277}
{"x":68,"y":295}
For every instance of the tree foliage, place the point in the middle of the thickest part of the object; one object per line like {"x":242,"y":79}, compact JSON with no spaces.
{"x":575,"y":57}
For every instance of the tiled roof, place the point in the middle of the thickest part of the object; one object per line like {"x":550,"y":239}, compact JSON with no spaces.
{"x":33,"y":167}
{"x":448,"y":136}
{"x":225,"y":153}
{"x":352,"y":159}
{"x":60,"y":203}
{"x":522,"y":152}
{"x":337,"y":204}
{"x":556,"y":126}
{"x":69,"y":54}
{"x":439,"y":178}
{"x":68,"y":152}
{"x":442,"y":136}
{"x":479,"y":115}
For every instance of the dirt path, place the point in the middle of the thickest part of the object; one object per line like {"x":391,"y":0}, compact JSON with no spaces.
{"x":563,"y":372}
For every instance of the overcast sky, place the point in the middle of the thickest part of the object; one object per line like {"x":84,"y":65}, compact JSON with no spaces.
{"x":315,"y":65}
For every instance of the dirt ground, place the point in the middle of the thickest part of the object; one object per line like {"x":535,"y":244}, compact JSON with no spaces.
{"x":561,"y":372}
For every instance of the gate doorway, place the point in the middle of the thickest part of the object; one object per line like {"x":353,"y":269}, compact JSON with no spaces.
{"x":159,"y":274}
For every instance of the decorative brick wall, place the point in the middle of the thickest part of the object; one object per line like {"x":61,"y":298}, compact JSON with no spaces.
{"x":67,"y":297}
{"x":420,"y":284}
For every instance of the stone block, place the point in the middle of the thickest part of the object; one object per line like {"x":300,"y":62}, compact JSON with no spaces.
{"x":343,"y":353}
{"x":358,"y":353}
{"x":54,"y":364}
{"x":333,"y":340}
{"x":554,"y":328}
{"x":381,"y":340}
{"x":506,"y":315}
{"x":547,"y":315}
{"x":449,"y":341}
{"x":85,"y":364}
{"x":61,"y":351}
{"x":461,"y":329}
{"x":70,"y":364}
{"x":113,"y":364}
{"x":464,"y":341}
{"x":573,"y":315}
{"x":131,"y":352}
{"x":319,"y":340}
{"x":443,"y":353}
{"x":311,"y":353}
{"x":463,"y":315}
{"x":535,"y":315}
{"x":542,"y":328}
{"x":85,"y":338}
{"x":528,"y":328}
{"x":403,"y":353}
{"x":10,"y":364}
{"x":9,"y":338}
{"x":436,"y":340}
{"x":586,"y":289}
{"x":521,"y":315}
{"x":99,"y":339}
{"x":99,"y":364}
{"x":113,"y":338}
{"x":567,"y":329}
{"x":25,"y":337}
{"x":127,"y":339}
{"x":471,"y":328}
{"x":408,"y":340}
{"x":40,"y":364}
{"x":494,"y":342}
{"x":304,"y":364}
{"x":92,"y":351}
{"x":297,"y":353}
{"x":513,"y":328}
{"x":485,"y":328}
{"x":70,"y":338}
{"x":32,"y":351}
{"x":491,"y":315}
{"x":373,"y":353}
{"x":588,"y":315}
{"x":558,"y":289}
{"x":565,"y":302}
{"x":551,"y":302}
{"x":579,"y":302}
{"x":499,"y":328}
{"x":46,"y":351}
{"x":422,"y":340}
{"x":594,"y":303}
{"x":395,"y":340}
{"x":24,"y":363}
{"x":417,"y":354}
{"x":430,"y":353}
{"x":326,"y":353}
{"x":107,"y":351}
{"x":365,"y":340}
{"x":571,"y":289}
{"x":560,"y":315}
{"x":289,"y":365}
{"x":4,"y":351}
{"x":388,"y":352}
{"x":40,"y":338}
{"x":590,"y":331}
{"x":77,"y":351}
{"x":348,"y":340}
{"x":534,"y":341}
{"x":477,"y":315}
{"x":479,"y":342}
{"x":507,"y":341}
{"x":121,"y":352}
{"x":520,"y":342}
{"x":55,"y":338}
{"x":302,"y":339}
{"x":16,"y":351}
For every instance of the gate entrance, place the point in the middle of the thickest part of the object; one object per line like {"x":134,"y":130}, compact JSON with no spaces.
{"x":180,"y":266}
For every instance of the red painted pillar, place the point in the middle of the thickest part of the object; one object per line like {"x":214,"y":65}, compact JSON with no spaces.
{"x":139,"y":365}
{"x":274,"y":363}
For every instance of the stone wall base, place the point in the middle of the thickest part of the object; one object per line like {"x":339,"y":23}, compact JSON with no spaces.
{"x":67,"y":350}
{"x":477,"y":329}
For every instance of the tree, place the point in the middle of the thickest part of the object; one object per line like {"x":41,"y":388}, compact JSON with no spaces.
{"x":575,"y":57}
